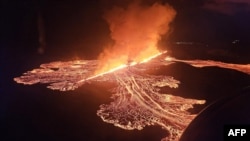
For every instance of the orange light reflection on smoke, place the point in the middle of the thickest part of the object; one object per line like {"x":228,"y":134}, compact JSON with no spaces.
{"x":135,"y":31}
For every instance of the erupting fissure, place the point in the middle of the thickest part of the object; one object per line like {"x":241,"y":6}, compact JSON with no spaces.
{"x":137,"y":98}
{"x":136,"y":31}
{"x":123,"y":66}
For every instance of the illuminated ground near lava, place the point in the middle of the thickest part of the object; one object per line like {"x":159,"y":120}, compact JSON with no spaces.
{"x":137,"y":100}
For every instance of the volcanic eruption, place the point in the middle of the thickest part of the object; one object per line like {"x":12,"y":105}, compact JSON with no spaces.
{"x":137,"y":101}
{"x":136,"y":31}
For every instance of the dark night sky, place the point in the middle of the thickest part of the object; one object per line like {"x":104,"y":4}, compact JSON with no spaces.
{"x":77,"y":26}
{"x":75,"y":29}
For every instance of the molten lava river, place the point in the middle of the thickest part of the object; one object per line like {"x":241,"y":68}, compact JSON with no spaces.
{"x":137,"y":101}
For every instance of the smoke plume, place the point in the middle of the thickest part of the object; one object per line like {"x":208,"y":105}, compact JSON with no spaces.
{"x":135,"y":30}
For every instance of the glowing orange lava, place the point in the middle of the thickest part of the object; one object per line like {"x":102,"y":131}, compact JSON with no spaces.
{"x":245,"y":68}
{"x":137,"y":98}
{"x":138,"y":102}
{"x":123,"y":66}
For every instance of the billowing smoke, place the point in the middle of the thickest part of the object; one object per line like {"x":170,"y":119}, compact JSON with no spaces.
{"x":135,"y":30}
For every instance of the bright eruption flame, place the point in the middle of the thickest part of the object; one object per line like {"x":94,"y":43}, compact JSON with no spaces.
{"x":135,"y":31}
{"x":124,"y":66}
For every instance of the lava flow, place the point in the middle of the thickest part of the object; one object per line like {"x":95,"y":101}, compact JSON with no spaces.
{"x":137,"y":101}
{"x":245,"y":68}
{"x":137,"y":98}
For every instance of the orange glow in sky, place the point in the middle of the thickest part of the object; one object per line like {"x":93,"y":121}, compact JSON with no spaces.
{"x":136,"y":31}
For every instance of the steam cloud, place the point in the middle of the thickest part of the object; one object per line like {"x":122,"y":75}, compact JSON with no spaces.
{"x":136,"y":31}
